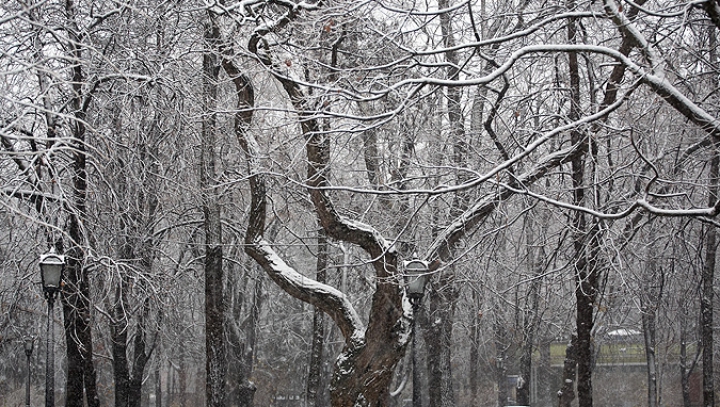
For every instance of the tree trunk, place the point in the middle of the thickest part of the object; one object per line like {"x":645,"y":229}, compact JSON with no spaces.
{"x":364,"y":369}
{"x":141,"y":356}
{"x":567,"y":392}
{"x":444,"y":294}
{"x":475,"y":349}
{"x":584,"y":240}
{"x":687,"y":365}
{"x":318,"y":333}
{"x":707,"y":296}
{"x":158,"y":383}
{"x":650,"y":299}
{"x":215,"y":362}
{"x":247,"y":388}
{"x":81,"y":377}
{"x":119,"y":336}
{"x":531,"y":312}
{"x":438,"y":340}
{"x":501,"y":339}
{"x":525,"y":380}
{"x":545,"y":392}
{"x":128,"y":377}
{"x":256,"y":224}
{"x":585,"y":293}
{"x":648,"y":325}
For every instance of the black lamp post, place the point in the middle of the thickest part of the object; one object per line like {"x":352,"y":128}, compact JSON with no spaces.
{"x":415,"y":275}
{"x":29,"y":345}
{"x":51,"y":272}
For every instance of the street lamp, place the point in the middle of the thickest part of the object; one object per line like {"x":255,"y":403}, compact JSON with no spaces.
{"x":29,"y":345}
{"x":416,"y":276}
{"x":51,"y":272}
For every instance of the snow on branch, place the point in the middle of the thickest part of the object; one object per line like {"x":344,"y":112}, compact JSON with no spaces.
{"x":492,"y":173}
{"x":328,"y":299}
{"x":465,"y":223}
{"x":639,"y":204}
{"x":656,"y":82}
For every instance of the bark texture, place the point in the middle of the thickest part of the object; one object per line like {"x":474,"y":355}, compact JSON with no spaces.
{"x":707,"y":296}
{"x":81,"y":377}
{"x":215,"y":352}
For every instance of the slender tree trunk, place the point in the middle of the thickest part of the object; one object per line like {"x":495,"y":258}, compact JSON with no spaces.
{"x":524,"y":385}
{"x":650,"y":298}
{"x":247,"y":388}
{"x":475,"y":349}
{"x":444,"y":294}
{"x":438,"y":340}
{"x":544,"y":378}
{"x":182,"y":382}
{"x":500,"y":333}
{"x":141,"y":357}
{"x":243,"y":117}
{"x":318,"y":334}
{"x":216,"y":363}
{"x":707,"y":298}
{"x":158,"y":383}
{"x":687,"y":365}
{"x":81,"y":377}
{"x":531,"y":314}
{"x":119,"y":336}
{"x":584,"y":241}
{"x":648,"y":325}
{"x":567,"y":392}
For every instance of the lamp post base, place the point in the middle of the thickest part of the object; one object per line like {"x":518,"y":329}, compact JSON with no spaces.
{"x":50,"y":372}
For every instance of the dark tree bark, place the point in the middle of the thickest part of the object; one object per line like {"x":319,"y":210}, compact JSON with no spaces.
{"x":244,"y":389}
{"x":81,"y":377}
{"x":650,"y":300}
{"x":648,"y":318}
{"x":438,"y":339}
{"x":475,"y":349}
{"x":119,"y":327}
{"x":707,"y":296}
{"x":567,"y":392}
{"x":531,"y":321}
{"x":215,"y":362}
{"x":242,"y":336}
{"x":501,"y":339}
{"x":546,"y":395}
{"x":318,"y":333}
{"x":141,"y":357}
{"x":531,"y":315}
{"x":158,"y":384}
{"x":687,"y":364}
{"x":584,"y":240}
{"x":130,"y":334}
{"x":443,"y":292}
{"x":364,"y":371}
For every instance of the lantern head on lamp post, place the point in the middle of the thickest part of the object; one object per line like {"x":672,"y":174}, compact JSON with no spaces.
{"x":51,"y":273}
{"x":415,"y":275}
{"x":29,"y":345}
{"x":52,"y":266}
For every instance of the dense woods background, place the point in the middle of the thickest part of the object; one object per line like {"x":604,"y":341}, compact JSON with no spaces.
{"x":236,"y":185}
